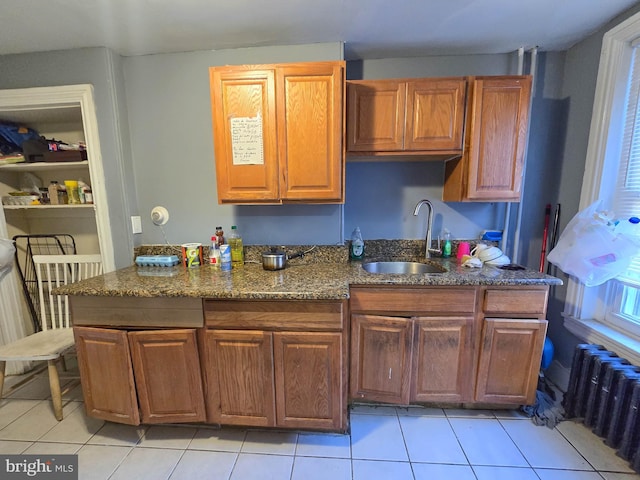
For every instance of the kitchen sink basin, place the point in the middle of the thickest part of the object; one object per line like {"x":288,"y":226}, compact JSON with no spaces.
{"x":407,"y":268}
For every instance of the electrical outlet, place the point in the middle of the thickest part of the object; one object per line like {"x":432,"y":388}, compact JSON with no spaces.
{"x":136,"y":224}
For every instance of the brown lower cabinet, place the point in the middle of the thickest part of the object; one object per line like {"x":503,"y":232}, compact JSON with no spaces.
{"x":510,"y":360}
{"x":284,"y":363}
{"x":381,"y":358}
{"x":286,"y":367}
{"x":442,"y":359}
{"x":149,"y":376}
{"x":460,"y":345}
{"x":252,"y":363}
{"x":411,"y":360}
{"x":239,"y":371}
{"x":106,"y":371}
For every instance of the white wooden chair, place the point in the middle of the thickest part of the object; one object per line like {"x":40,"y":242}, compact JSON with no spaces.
{"x":56,"y":337}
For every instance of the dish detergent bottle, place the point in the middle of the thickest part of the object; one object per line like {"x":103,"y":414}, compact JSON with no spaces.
{"x":356,"y":251}
{"x":446,"y":251}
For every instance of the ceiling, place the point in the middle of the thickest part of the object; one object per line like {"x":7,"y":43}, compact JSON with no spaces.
{"x":369,"y":28}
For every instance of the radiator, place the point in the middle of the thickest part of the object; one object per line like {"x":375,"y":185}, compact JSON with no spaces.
{"x":604,"y":391}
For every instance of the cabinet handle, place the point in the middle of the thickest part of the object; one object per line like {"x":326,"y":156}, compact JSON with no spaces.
{"x":389,"y":373}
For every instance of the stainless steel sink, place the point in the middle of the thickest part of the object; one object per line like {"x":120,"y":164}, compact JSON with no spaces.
{"x":407,"y":268}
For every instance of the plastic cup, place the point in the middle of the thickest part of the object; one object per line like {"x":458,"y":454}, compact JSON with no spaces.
{"x":192,"y":254}
{"x":463,"y":249}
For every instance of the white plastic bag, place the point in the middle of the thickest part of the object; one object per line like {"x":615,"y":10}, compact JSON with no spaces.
{"x":592,"y":249}
{"x":7,"y":251}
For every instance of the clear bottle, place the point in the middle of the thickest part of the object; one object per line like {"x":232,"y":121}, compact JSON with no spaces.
{"x":63,"y":196}
{"x":356,"y":252}
{"x":220,"y":236}
{"x":214,"y":253}
{"x":237,"y":250}
{"x":53,"y":193}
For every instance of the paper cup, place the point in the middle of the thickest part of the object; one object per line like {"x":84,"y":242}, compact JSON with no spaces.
{"x":192,"y":254}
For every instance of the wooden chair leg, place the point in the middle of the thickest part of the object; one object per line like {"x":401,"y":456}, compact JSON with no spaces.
{"x":63,"y":363}
{"x":54,"y":385}
{"x":3,"y":364}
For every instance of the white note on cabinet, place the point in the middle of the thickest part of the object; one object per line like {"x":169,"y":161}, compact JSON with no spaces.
{"x":246,"y":140}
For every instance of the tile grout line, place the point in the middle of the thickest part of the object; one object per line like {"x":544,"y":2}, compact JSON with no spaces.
{"x":176,"y":465}
{"x":548,"y":468}
{"x":120,"y":463}
{"x":517,"y":446}
{"x":235,"y":462}
{"x":580,"y":453}
{"x":296,"y":449}
{"x":406,"y":448}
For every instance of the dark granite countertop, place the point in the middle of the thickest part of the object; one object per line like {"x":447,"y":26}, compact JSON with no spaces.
{"x":323,"y":273}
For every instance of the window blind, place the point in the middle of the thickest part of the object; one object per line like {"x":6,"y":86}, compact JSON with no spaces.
{"x":627,"y":196}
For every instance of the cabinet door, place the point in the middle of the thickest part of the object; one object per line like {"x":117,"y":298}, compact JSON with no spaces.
{"x":380,"y":358}
{"x":168,"y":379}
{"x":435,"y":114}
{"x":239,"y":372}
{"x":244,"y":133}
{"x":107,"y":375}
{"x":510,"y":360}
{"x":376,"y":116}
{"x":443,"y":359}
{"x":499,"y":117}
{"x":310,"y":131}
{"x":308,"y":373}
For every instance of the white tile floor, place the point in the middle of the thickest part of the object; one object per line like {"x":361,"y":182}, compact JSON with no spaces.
{"x":385,"y":443}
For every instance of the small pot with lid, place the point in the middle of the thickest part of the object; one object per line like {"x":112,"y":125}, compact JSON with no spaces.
{"x":276,"y":258}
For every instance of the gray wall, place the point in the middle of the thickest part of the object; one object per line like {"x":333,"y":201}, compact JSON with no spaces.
{"x":171,"y":133}
{"x":162,"y":132}
{"x":170,"y":118}
{"x":578,"y":91}
{"x":100,"y":67}
{"x":169,"y":160}
{"x":381,"y":195}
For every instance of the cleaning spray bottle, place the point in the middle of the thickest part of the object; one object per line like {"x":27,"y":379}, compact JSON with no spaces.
{"x":356,"y":251}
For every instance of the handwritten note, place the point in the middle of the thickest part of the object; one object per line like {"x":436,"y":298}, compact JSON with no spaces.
{"x":246,"y":140}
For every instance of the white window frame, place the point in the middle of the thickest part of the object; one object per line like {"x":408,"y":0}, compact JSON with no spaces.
{"x":585,"y":305}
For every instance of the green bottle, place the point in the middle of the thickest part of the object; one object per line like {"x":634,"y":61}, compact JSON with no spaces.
{"x":446,"y":251}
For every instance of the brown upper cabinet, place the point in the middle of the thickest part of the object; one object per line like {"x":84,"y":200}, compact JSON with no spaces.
{"x":491,"y":166}
{"x":409,"y":117}
{"x":278,"y":132}
{"x":478,"y":125}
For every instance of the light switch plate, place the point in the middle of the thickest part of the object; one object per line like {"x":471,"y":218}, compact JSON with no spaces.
{"x":136,"y":224}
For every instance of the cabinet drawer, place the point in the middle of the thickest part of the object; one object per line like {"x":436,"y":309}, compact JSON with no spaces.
{"x":178,"y":312}
{"x":413,"y":300}
{"x":514,"y":301}
{"x":305,"y":315}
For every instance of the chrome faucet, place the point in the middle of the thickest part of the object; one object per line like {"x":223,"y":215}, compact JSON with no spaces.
{"x":427,"y":247}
